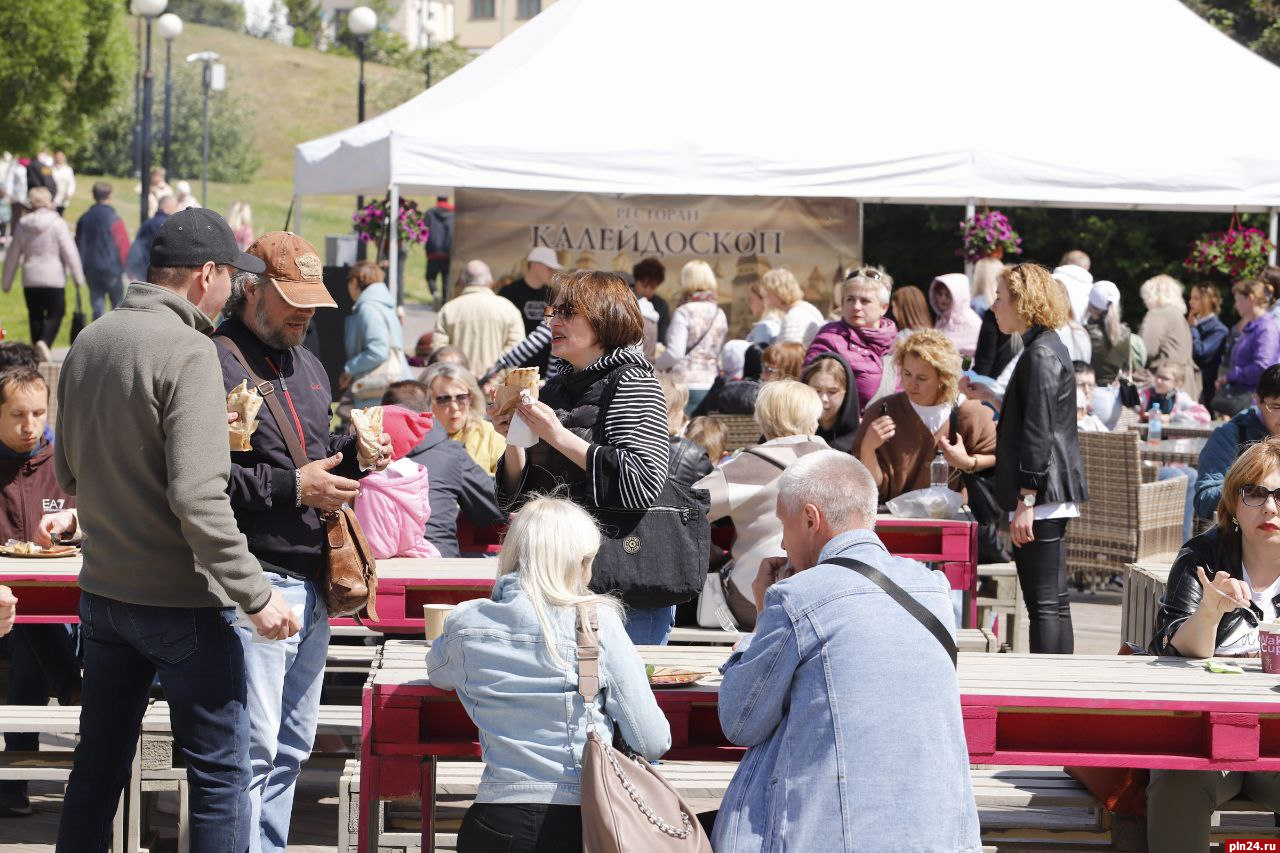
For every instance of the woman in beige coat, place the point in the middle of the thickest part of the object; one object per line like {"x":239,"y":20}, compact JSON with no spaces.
{"x":1165,"y":331}
{"x":43,"y":245}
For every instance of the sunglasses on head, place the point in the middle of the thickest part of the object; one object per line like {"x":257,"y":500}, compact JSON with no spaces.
{"x":1251,"y":494}
{"x":865,"y":272}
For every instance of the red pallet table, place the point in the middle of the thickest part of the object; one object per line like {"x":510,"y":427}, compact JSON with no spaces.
{"x":1088,"y":710}
{"x":950,"y":545}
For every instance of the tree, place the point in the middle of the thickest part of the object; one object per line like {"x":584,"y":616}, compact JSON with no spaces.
{"x":216,"y":13}
{"x":232,"y":158}
{"x":1253,"y":23}
{"x":63,"y":64}
{"x":307,"y":19}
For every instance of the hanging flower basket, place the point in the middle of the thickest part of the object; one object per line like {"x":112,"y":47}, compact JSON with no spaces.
{"x":370,"y":224}
{"x":1236,"y":253}
{"x":988,"y":235}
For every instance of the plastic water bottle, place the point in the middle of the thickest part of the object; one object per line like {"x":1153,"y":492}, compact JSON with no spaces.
{"x":938,"y":471}
{"x":1154,"y":425}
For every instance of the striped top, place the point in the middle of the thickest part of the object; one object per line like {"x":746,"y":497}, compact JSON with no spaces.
{"x":629,"y":469}
{"x":527,"y":352}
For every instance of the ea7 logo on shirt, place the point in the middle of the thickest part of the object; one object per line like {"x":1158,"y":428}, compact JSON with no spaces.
{"x":53,"y":504}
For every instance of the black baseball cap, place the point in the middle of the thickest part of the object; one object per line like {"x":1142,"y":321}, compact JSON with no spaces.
{"x":197,"y":235}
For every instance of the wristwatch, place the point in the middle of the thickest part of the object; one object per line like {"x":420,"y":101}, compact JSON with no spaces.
{"x":1029,"y":500}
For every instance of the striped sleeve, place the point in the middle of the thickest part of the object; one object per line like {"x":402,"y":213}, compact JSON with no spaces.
{"x":526,"y":351}
{"x":630,"y":468}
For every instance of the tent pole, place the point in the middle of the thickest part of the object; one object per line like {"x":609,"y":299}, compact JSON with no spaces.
{"x":393,"y":247}
{"x":862,"y":254}
{"x":1272,"y":230}
{"x":970,"y":210}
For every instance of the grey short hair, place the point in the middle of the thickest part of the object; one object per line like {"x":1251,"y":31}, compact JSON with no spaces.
{"x":839,"y":485}
{"x":476,"y":272}
{"x":235,"y":302}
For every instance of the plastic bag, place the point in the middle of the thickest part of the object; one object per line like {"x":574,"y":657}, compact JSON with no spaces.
{"x":933,"y":502}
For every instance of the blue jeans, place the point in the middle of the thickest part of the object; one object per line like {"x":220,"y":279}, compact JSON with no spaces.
{"x":1168,"y":472}
{"x":284,"y":678}
{"x":100,"y":286}
{"x":201,"y":668}
{"x":650,"y":626}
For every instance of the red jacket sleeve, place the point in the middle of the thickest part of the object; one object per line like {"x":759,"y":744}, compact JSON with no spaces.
{"x":122,"y":239}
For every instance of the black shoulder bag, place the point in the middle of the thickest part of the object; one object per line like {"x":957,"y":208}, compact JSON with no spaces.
{"x":653,"y":557}
{"x":986,"y":511}
{"x":900,"y":595}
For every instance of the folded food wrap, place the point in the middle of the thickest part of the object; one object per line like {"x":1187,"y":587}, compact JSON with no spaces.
{"x":245,"y":402}
{"x":520,"y":380}
{"x":368,"y":424}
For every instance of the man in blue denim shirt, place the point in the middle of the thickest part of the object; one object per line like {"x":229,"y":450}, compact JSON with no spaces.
{"x":840,"y":691}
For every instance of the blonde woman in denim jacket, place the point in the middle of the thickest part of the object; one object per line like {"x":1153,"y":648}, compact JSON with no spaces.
{"x":513,"y":661}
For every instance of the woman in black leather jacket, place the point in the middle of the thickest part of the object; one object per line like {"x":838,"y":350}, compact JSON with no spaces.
{"x":1222,"y":583}
{"x":1039,"y":479}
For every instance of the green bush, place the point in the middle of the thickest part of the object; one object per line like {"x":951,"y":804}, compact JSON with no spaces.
{"x":215,"y":13}
{"x":232,"y":158}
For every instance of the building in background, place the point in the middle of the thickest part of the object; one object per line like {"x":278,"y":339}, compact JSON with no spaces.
{"x":418,"y":22}
{"x":480,"y":24}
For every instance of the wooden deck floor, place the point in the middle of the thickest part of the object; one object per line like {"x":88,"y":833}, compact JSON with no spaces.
{"x":1096,"y":617}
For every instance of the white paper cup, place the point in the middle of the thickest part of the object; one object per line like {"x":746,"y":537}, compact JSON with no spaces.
{"x":1269,"y":641}
{"x":433,"y":616}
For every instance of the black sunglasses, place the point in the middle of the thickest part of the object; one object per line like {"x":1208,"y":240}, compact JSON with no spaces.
{"x":562,"y":312}
{"x":460,"y":399}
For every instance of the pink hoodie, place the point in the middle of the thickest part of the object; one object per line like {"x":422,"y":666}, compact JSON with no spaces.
{"x":393,"y":510}
{"x":961,"y":324}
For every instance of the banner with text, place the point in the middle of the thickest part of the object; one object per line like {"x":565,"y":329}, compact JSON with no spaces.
{"x":741,"y":238}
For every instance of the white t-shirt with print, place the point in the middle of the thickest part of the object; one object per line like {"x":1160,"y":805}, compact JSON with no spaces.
{"x":1244,"y":639}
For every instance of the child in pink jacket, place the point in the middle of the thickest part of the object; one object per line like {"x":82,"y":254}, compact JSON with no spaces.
{"x":392,"y":507}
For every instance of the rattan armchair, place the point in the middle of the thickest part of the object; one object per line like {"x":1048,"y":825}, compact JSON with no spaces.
{"x":743,"y":431}
{"x":1125,"y":520}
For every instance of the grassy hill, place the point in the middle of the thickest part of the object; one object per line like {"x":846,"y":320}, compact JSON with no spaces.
{"x":296,"y":95}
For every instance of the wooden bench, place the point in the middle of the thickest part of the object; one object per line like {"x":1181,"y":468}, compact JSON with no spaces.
{"x":161,"y":767}
{"x":55,"y":765}
{"x":353,"y":659}
{"x":999,"y":594}
{"x":1144,"y":585}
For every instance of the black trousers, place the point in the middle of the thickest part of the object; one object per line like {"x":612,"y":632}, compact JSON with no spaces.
{"x":521,"y":828}
{"x":1042,"y":574}
{"x":46,"y":307}
{"x":438,"y":267}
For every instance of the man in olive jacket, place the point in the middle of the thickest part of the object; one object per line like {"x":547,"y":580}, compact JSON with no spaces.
{"x":142,"y":445}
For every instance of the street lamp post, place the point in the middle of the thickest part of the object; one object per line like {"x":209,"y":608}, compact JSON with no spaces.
{"x":361,"y":21}
{"x":147,"y":9}
{"x":215,"y":79}
{"x":170,"y":27}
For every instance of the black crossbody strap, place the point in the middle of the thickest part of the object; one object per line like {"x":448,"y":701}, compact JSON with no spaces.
{"x":898,"y":594}
{"x":769,"y":459}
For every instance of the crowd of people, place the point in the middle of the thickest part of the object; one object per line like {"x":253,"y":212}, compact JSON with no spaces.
{"x":611,"y":470}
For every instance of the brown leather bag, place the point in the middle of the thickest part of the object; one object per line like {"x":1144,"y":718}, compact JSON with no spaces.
{"x":626,"y":804}
{"x":350,"y":581}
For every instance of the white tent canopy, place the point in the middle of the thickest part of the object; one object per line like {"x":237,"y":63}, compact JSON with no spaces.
{"x":1090,"y":103}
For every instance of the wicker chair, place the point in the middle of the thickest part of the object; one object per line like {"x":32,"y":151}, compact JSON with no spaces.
{"x":1125,"y":520}
{"x":743,"y":431}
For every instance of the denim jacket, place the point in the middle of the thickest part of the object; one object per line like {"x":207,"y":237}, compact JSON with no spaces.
{"x":851,"y":712}
{"x":527,"y":709}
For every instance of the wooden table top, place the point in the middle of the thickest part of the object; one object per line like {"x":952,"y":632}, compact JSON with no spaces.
{"x":1101,"y":682}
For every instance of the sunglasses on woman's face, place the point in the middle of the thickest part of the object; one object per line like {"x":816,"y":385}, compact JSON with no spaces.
{"x":560,"y":312}
{"x":463,"y":400}
{"x":1255,"y":496}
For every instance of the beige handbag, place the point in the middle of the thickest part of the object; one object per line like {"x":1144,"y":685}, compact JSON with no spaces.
{"x":626,"y":804}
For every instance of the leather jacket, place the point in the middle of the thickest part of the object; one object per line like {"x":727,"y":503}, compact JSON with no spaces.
{"x":1038,"y":446}
{"x":688,"y":462}
{"x":1183,"y":593}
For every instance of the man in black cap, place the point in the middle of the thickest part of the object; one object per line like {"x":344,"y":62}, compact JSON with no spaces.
{"x":142,"y":445}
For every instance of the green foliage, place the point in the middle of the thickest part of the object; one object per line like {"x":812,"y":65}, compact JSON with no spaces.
{"x":307,"y":19}
{"x":1253,"y":23}
{"x":232,"y":158}
{"x":217,"y":13}
{"x":63,"y":63}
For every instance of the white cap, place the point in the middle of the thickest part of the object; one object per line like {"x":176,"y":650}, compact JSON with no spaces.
{"x":544,"y":255}
{"x":1103,"y":295}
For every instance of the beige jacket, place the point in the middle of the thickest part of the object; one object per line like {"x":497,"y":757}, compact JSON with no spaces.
{"x":480,"y":323}
{"x":1168,"y":338}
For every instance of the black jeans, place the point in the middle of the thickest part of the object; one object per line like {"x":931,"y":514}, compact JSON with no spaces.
{"x":438,"y":267}
{"x":200,"y":661}
{"x":45,"y":309}
{"x":1042,"y":574}
{"x":521,"y":828}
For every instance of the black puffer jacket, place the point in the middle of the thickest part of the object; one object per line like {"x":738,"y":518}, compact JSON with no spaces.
{"x":1038,"y":447}
{"x":1183,"y":593}
{"x":688,"y":462}
{"x":736,"y":397}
